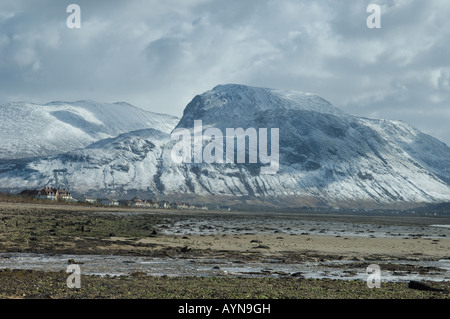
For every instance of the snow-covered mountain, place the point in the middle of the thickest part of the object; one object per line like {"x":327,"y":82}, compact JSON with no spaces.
{"x":326,"y":157}
{"x":31,"y":130}
{"x":114,"y":166}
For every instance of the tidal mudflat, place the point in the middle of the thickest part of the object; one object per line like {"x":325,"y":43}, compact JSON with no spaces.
{"x":119,"y":246}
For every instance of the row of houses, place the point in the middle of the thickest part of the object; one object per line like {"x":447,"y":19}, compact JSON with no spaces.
{"x":137,"y":202}
{"x":49,"y":193}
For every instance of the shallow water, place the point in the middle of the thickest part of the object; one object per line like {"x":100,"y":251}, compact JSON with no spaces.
{"x":126,"y":265}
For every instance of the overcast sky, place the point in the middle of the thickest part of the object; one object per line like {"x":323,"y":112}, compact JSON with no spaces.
{"x":158,"y":55}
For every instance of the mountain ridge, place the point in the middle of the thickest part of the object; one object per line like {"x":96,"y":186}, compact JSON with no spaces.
{"x":30,"y":130}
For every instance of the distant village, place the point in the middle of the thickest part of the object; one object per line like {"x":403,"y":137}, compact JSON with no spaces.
{"x":57,"y":194}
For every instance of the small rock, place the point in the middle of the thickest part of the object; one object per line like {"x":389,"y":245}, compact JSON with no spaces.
{"x":262,"y":247}
{"x":138,"y":274}
{"x":185,"y":249}
{"x":359,"y":258}
{"x":153,"y":234}
{"x":421,"y":286}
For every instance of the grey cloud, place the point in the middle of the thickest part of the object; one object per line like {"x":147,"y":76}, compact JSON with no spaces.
{"x":159,"y":54}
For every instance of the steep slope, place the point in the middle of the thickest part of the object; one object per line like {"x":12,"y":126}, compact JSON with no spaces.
{"x":31,"y":130}
{"x":324,"y":153}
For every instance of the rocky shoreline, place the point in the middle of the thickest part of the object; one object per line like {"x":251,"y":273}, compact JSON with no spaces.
{"x":29,"y":284}
{"x":59,"y":230}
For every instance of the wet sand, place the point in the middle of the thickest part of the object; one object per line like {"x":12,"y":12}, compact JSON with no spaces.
{"x":275,"y":245}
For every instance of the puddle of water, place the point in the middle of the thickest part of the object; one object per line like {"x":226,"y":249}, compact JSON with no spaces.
{"x":125,"y":265}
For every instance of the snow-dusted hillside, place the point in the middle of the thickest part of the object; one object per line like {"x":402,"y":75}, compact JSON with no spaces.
{"x":324,"y":153}
{"x":233,"y":104}
{"x":326,"y":156}
{"x":111,"y":166}
{"x":31,"y":130}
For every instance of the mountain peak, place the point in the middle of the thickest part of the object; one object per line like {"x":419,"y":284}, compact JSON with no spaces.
{"x":268,"y":99}
{"x":239,"y":101}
